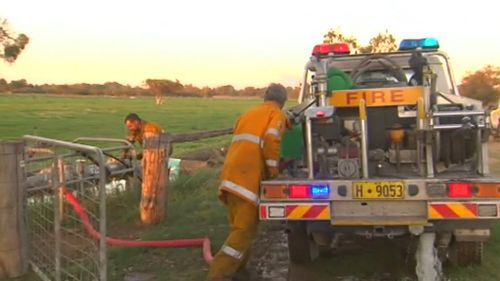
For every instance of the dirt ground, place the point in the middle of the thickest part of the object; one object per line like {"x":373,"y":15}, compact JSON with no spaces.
{"x":269,"y":261}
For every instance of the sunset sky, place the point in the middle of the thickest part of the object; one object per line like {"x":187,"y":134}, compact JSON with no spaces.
{"x":220,"y":42}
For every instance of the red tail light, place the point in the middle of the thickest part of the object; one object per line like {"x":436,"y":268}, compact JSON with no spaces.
{"x":299,"y":191}
{"x":459,"y":189}
{"x":263,"y":212}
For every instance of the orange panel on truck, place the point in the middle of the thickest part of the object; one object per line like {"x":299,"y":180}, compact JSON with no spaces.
{"x":377,"y":97}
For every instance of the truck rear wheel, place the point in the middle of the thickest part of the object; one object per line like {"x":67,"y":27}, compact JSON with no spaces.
{"x":466,"y":253}
{"x":301,"y":247}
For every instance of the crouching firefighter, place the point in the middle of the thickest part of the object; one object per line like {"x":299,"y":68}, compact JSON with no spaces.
{"x":252,"y":156}
{"x":154,"y":172}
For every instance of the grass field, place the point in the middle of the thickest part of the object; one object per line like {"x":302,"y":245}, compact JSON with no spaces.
{"x":69,"y":117}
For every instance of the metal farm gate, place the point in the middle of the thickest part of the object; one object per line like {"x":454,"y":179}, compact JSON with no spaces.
{"x":61,"y":248}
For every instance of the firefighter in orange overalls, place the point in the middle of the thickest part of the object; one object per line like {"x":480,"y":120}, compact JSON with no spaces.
{"x":253,"y":156}
{"x":153,"y":187}
{"x":138,"y":128}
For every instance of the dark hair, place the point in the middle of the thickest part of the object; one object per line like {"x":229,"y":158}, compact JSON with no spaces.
{"x":132,"y":116}
{"x":276,"y":92}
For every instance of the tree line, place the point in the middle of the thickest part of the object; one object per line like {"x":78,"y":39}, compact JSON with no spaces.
{"x":159,"y":88}
{"x":12,"y":45}
{"x":483,"y":84}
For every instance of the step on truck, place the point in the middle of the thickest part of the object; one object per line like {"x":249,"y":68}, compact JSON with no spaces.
{"x":384,"y":145}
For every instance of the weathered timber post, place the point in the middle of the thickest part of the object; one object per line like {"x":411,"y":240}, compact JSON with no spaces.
{"x":154,"y":178}
{"x":155,"y":172}
{"x":13,"y":235}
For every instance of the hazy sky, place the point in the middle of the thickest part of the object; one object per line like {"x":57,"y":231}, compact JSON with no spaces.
{"x":219,"y":42}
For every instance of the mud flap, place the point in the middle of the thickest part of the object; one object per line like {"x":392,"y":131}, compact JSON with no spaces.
{"x":301,"y":247}
{"x":466,"y":253}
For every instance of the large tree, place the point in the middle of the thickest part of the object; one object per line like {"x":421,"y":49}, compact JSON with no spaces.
{"x":162,"y":87}
{"x":11,"y":44}
{"x":483,"y":85}
{"x":335,"y":35}
{"x":382,"y":42}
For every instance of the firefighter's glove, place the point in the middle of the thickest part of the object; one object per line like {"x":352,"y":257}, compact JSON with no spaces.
{"x":126,"y":154}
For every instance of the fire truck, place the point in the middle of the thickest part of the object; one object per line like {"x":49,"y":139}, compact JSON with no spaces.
{"x":383,"y":145}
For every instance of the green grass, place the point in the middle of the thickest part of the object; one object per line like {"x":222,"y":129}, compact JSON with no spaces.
{"x":193,"y":211}
{"x":69,"y":117}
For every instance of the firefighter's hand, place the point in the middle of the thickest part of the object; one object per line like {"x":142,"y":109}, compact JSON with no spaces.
{"x":126,"y":154}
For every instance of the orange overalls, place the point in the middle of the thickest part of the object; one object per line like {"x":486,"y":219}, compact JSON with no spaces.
{"x":252,"y":156}
{"x":153,"y":188}
{"x":147,"y":129}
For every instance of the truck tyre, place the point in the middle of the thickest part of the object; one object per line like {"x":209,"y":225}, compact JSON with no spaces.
{"x":466,"y":253}
{"x":301,"y":247}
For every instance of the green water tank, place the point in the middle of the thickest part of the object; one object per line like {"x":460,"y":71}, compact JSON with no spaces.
{"x":338,"y":80}
{"x":292,"y":144}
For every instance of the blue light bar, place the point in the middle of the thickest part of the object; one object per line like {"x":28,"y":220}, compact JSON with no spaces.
{"x":320,"y":191}
{"x":424,"y":43}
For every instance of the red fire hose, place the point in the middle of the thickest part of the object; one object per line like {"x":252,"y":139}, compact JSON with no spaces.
{"x":178,"y":243}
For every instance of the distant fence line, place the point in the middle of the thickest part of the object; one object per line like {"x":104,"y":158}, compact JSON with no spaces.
{"x":187,"y":137}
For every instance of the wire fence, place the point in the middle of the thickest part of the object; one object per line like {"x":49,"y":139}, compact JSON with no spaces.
{"x":60,"y":247}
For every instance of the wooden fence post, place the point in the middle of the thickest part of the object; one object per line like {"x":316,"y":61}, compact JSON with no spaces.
{"x":13,"y":234}
{"x":154,"y":179}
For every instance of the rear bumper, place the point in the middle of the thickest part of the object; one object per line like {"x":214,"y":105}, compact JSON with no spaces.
{"x":382,"y":212}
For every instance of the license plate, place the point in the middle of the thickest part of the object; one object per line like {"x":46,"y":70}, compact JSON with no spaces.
{"x":378,"y":190}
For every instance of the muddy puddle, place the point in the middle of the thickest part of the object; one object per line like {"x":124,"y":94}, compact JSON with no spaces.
{"x":356,"y":259}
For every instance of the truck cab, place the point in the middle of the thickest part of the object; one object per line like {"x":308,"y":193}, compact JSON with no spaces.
{"x":383,"y":145}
